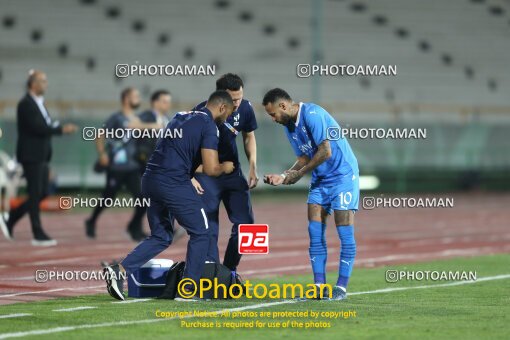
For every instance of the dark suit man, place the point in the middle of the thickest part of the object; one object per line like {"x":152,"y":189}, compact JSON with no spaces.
{"x":35,"y":129}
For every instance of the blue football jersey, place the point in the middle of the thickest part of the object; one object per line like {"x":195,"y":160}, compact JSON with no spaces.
{"x":313,"y":126}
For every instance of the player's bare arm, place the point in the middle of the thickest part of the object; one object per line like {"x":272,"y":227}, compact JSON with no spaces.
{"x":300,"y":163}
{"x":250,"y":148}
{"x":196,"y":184}
{"x":211,"y":165}
{"x":277,"y":179}
{"x":323,"y":153}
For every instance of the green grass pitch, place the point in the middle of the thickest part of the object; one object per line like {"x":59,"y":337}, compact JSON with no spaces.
{"x":479,"y":310}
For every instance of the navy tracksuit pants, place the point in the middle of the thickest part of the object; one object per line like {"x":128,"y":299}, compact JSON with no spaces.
{"x":167,"y":201}
{"x":234,"y":191}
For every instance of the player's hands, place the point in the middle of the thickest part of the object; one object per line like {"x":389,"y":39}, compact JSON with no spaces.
{"x":292,"y":177}
{"x":69,"y":128}
{"x":103,"y":159}
{"x":227,"y":167}
{"x":197,"y":186}
{"x":273,"y":179}
{"x":254,"y":178}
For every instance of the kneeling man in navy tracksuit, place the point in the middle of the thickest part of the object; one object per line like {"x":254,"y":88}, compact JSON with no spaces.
{"x":191,"y":141}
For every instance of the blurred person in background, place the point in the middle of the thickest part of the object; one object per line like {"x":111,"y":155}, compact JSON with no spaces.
{"x":118,"y":157}
{"x":33,"y":151}
{"x":161,"y":104}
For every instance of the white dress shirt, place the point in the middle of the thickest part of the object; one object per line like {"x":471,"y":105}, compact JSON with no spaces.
{"x":161,"y":119}
{"x":39,"y":100}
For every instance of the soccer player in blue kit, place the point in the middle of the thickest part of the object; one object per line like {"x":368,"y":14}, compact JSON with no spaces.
{"x":193,"y":141}
{"x":233,"y":189}
{"x":315,"y":137}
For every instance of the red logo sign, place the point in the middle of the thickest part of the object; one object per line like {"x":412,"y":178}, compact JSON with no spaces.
{"x":253,"y":239}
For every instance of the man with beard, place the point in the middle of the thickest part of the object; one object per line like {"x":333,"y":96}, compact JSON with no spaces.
{"x":117,"y":155}
{"x":320,"y":150}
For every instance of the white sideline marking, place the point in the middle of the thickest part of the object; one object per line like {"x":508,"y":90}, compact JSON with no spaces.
{"x":74,"y":309}
{"x":457,"y":283}
{"x":8,"y":316}
{"x":49,"y":291}
{"x":256,"y":306}
{"x":132,"y":301}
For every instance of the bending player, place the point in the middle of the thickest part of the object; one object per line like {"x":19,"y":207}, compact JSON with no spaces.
{"x":314,"y":136}
{"x":167,"y":183}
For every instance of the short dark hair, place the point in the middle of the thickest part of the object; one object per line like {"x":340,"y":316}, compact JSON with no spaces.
{"x":274,"y":95}
{"x":229,"y":81}
{"x":220,"y":97}
{"x":125,"y":93}
{"x":155,"y":96}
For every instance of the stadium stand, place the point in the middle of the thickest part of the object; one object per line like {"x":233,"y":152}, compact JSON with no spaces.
{"x":452,"y":71}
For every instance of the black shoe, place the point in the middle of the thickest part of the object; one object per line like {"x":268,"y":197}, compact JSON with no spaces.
{"x":6,"y":228}
{"x":238,"y":280}
{"x":114,"y":282}
{"x":325,"y":293}
{"x":90,"y":229}
{"x":42,"y":240}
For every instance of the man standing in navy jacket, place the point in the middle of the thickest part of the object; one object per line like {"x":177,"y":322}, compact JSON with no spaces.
{"x":233,"y":189}
{"x":33,"y":151}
